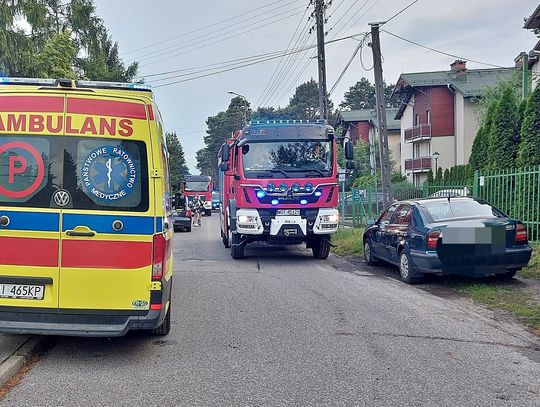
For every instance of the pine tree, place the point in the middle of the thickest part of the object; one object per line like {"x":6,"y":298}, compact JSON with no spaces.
{"x":430,"y":176}
{"x":177,"y":161}
{"x":503,"y":146}
{"x":439,"y":176}
{"x":446,"y":177}
{"x":529,"y":149}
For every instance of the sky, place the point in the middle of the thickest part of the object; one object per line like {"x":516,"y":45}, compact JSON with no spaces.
{"x":179,"y":35}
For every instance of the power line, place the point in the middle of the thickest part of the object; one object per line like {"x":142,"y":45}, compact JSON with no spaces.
{"x":442,"y":52}
{"x":272,"y":20}
{"x":344,"y":26}
{"x":401,"y":11}
{"x":204,"y":28}
{"x":358,"y":48}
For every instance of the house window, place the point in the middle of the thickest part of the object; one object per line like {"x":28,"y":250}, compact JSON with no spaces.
{"x":428,"y":116}
{"x":417,"y":120}
{"x":416,"y":151}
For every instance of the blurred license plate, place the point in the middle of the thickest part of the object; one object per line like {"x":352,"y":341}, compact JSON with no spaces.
{"x":29,"y":292}
{"x":288,"y":212}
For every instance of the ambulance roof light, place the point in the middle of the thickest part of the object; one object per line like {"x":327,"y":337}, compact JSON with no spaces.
{"x":113,"y":85}
{"x":28,"y":81}
{"x":289,"y":121}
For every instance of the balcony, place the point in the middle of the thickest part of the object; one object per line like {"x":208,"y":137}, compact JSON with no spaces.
{"x":418,"y":133}
{"x":422,"y":164}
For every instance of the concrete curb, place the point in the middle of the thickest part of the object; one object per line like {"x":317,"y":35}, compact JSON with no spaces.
{"x":11,"y":366}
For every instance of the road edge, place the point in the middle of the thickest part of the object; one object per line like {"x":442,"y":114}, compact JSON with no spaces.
{"x":13,"y":363}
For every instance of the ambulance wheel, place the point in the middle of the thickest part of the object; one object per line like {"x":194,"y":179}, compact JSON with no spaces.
{"x":165,"y":327}
{"x":321,"y":247}
{"x":237,"y":247}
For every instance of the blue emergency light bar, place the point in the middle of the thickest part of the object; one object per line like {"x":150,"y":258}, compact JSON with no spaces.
{"x":28,"y":81}
{"x":267,"y":122}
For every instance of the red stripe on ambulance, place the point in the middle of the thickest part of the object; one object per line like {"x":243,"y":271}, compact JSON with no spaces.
{"x":22,"y":251}
{"x":41,"y":104}
{"x":98,"y":107}
{"x":106,"y":254}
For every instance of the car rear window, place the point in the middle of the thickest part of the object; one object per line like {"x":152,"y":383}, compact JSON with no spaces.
{"x":450,"y":209}
{"x":99,"y":174}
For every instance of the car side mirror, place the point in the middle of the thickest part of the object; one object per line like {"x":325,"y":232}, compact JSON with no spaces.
{"x":224,"y":166}
{"x":350,"y":165}
{"x":349,"y":151}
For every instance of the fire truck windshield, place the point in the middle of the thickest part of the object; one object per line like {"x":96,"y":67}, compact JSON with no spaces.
{"x":302,"y":157}
{"x":197,"y":186}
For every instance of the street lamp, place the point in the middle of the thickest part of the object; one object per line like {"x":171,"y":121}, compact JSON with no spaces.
{"x":436,"y":155}
{"x":245,"y":104}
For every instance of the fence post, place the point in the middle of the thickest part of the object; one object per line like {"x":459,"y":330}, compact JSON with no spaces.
{"x":425,"y":191}
{"x":476,"y":183}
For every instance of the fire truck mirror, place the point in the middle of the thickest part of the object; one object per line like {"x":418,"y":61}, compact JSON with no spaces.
{"x":225,"y":152}
{"x":350,"y":165}
{"x":349,"y":153}
{"x":224,"y":166}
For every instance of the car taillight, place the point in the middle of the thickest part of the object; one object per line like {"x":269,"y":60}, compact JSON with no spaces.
{"x":159,"y":257}
{"x":188,"y":212}
{"x":521,"y":233}
{"x":432,"y":239}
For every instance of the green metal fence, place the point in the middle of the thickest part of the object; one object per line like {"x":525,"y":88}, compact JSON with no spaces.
{"x":514,"y":191}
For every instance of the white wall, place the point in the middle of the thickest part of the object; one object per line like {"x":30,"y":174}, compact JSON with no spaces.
{"x":446,"y":148}
{"x":471,"y":125}
{"x":407,"y":121}
{"x":535,"y":75}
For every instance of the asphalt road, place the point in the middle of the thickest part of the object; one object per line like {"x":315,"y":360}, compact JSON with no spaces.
{"x":281,"y":328}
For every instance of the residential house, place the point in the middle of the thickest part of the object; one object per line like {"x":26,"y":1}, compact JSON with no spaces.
{"x":438,"y":115}
{"x":357,"y":125}
{"x":533,"y":23}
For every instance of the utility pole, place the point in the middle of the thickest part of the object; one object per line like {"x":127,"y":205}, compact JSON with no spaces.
{"x":319,"y":16}
{"x":526,"y":83}
{"x":386,"y":170}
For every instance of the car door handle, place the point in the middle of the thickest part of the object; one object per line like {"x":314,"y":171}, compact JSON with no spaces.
{"x":81,"y":231}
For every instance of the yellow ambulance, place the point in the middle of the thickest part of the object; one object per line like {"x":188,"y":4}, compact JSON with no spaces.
{"x":85,"y":216}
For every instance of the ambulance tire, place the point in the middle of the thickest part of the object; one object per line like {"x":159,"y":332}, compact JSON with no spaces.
{"x":237,"y":248}
{"x":321,"y":247}
{"x":165,"y":327}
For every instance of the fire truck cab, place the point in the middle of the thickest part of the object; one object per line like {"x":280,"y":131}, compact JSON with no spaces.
{"x":278,"y":184}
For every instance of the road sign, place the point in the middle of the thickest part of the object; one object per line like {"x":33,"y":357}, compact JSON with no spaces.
{"x":342,"y":175}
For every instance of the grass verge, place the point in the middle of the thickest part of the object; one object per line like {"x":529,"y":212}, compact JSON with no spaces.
{"x":513,"y":300}
{"x":348,"y":242}
{"x":533,"y":269}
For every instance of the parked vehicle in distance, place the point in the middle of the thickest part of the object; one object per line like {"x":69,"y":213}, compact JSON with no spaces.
{"x":215,"y":200}
{"x":182,"y":219}
{"x":465,"y":236}
{"x":452,"y":192}
{"x":201,"y":185}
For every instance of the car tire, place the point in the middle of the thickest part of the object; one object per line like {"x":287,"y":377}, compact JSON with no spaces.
{"x":208,"y":212}
{"x":165,"y":327}
{"x":368,"y":254}
{"x":237,"y":247}
{"x":321,"y":247}
{"x":188,"y":229}
{"x":407,"y":271}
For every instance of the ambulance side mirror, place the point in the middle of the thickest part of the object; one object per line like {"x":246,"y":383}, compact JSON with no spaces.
{"x":349,"y":152}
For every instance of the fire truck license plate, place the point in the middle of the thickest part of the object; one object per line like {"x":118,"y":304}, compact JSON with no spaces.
{"x":29,"y":292}
{"x":288,"y":212}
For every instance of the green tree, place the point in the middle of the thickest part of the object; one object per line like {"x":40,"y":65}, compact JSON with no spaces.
{"x":304,"y":105}
{"x":56,"y":58}
{"x":503,"y":139}
{"x":529,"y":149}
{"x":439,"y":176}
{"x":479,"y":154}
{"x":430,"y":178}
{"x":362,"y":96}
{"x":177,"y":161}
{"x":446,"y":176}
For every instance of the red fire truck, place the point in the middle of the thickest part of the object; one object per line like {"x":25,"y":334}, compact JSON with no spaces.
{"x":201,"y":185}
{"x":278,"y":184}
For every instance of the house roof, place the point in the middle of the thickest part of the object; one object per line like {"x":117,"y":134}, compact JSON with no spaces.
{"x":471,"y":84}
{"x":533,"y":21}
{"x":370,"y":115}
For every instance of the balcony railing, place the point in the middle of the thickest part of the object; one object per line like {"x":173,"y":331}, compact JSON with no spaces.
{"x":421,"y":164}
{"x":418,"y":132}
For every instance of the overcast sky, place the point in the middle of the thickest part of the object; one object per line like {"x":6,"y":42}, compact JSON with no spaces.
{"x":169,"y":35}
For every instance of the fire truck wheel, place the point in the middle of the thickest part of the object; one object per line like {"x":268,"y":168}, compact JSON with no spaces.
{"x":237,"y":248}
{"x":321,"y":247}
{"x":225,"y":240}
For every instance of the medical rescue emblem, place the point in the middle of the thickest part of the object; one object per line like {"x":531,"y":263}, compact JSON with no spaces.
{"x":109,"y":173}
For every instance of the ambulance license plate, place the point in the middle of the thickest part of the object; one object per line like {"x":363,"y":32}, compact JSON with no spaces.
{"x":23,"y":291}
{"x":288,"y":212}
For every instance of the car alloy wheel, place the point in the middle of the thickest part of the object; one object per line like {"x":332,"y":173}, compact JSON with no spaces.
{"x":404,"y":266}
{"x":367,"y":252}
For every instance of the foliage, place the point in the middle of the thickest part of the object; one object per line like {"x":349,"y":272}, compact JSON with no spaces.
{"x":36,"y":50}
{"x":529,"y":149}
{"x":221,"y":127}
{"x":430,"y":177}
{"x":348,"y":242}
{"x":177,"y":161}
{"x":532,"y":270}
{"x":304,"y":105}
{"x":503,"y":140}
{"x":362,"y":96}
{"x":439,"y":176}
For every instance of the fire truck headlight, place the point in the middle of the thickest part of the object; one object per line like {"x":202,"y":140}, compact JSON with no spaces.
{"x":260,"y":194}
{"x":330,"y":218}
{"x":308,"y":187}
{"x":283,"y":187}
{"x":247,"y":219}
{"x":296,"y":187}
{"x":270,"y":187}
